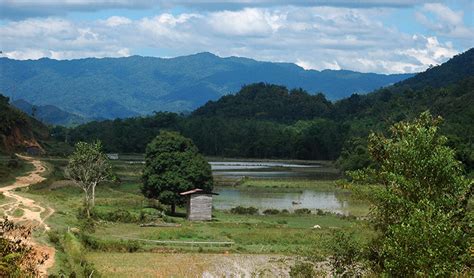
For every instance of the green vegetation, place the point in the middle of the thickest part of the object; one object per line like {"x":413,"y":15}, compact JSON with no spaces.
{"x":173,"y":165}
{"x":120,"y":208}
{"x":269,"y":121}
{"x":12,"y":167}
{"x":421,"y":212}
{"x":88,"y":166}
{"x":143,"y":84}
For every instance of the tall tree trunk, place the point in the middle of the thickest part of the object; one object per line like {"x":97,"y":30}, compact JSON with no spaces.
{"x":87,"y":203}
{"x":93,"y":196}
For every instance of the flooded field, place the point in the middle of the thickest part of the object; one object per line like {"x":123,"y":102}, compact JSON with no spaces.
{"x":230,"y":174}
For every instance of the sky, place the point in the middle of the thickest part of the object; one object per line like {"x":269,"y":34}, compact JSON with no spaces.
{"x":383,"y":36}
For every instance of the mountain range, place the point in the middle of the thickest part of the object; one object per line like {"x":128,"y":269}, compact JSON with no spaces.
{"x":132,"y":86}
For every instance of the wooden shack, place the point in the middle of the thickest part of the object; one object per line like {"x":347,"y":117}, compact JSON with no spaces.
{"x":199,"y":204}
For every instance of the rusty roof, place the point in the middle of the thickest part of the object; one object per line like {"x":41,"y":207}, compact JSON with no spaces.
{"x":196,"y":190}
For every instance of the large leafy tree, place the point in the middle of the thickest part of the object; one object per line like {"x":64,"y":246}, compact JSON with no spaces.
{"x":173,"y":164}
{"x":88,"y":166}
{"x":420,"y":207}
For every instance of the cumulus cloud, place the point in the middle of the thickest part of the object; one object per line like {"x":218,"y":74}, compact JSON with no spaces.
{"x":313,"y":37}
{"x":446,"y":21}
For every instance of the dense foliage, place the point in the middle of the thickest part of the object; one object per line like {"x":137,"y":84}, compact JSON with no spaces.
{"x":420,"y":206}
{"x":268,"y":102}
{"x":173,"y":165}
{"x":9,"y":117}
{"x":131,"y":86}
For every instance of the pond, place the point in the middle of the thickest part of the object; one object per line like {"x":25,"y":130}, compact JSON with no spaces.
{"x":268,"y":169}
{"x":281,"y":199}
{"x":227,"y":173}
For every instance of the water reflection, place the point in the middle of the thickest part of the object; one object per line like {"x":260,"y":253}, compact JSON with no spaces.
{"x":232,"y":197}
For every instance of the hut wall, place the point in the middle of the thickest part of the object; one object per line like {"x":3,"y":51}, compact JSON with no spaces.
{"x":200,"y":207}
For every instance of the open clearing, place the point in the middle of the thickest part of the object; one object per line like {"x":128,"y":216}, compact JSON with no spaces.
{"x":261,"y":244}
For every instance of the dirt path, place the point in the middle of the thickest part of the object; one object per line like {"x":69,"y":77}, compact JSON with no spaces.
{"x":33,"y":214}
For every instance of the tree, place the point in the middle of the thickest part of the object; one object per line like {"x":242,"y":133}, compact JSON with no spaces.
{"x":420,"y":209}
{"x":88,"y":166}
{"x":173,"y":165}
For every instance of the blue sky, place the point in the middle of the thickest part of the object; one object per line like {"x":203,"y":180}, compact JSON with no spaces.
{"x":384,"y":36}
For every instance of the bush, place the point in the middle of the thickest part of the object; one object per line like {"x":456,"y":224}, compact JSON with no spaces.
{"x":54,"y":237}
{"x":244,"y":210}
{"x":271,"y":211}
{"x":302,"y":270}
{"x":302,"y":211}
{"x":120,"y":215}
{"x":14,"y":163}
{"x":109,"y":245}
{"x":346,"y":255}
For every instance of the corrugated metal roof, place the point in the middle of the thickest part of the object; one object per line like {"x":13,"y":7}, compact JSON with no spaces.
{"x":196,"y":190}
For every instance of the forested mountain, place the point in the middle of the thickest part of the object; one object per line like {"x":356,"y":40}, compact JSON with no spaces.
{"x":125,"y":87}
{"x":49,"y":114}
{"x":269,"y":121}
{"x":458,"y":68}
{"x":18,"y":130}
{"x":268,"y":102}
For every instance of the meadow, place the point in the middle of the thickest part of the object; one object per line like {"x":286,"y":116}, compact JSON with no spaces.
{"x":131,"y":227}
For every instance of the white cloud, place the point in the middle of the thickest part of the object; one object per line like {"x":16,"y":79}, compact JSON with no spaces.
{"x":446,"y":22}
{"x":246,"y":22}
{"x":117,"y":21}
{"x":313,"y":37}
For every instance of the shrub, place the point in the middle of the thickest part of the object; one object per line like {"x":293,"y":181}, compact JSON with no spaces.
{"x":54,"y":237}
{"x":120,"y":215}
{"x":346,"y":255}
{"x":14,"y":163}
{"x":421,"y":213}
{"x":244,"y":210}
{"x":302,"y":270}
{"x":302,"y":211}
{"x":93,"y":243}
{"x":271,"y":211}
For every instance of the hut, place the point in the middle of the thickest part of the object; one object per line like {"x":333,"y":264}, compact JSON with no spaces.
{"x":199,"y":204}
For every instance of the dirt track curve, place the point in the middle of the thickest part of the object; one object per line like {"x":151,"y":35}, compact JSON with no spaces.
{"x":34,"y":215}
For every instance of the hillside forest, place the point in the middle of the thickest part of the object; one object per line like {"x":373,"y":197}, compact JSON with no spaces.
{"x":270,"y":121}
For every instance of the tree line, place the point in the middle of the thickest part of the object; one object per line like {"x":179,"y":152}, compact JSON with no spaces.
{"x":270,"y":121}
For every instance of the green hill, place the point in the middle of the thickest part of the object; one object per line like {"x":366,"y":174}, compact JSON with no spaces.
{"x":49,"y":114}
{"x":132,"y":86}
{"x":270,"y":121}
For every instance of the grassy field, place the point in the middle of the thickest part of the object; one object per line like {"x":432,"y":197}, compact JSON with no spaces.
{"x":120,"y":209}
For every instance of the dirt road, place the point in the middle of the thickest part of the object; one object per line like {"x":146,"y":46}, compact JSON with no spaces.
{"x":27,"y":211}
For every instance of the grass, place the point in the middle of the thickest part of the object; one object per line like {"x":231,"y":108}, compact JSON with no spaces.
{"x":288,"y":234}
{"x":319,"y":185}
{"x":115,"y":264}
{"x":18,"y":212}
